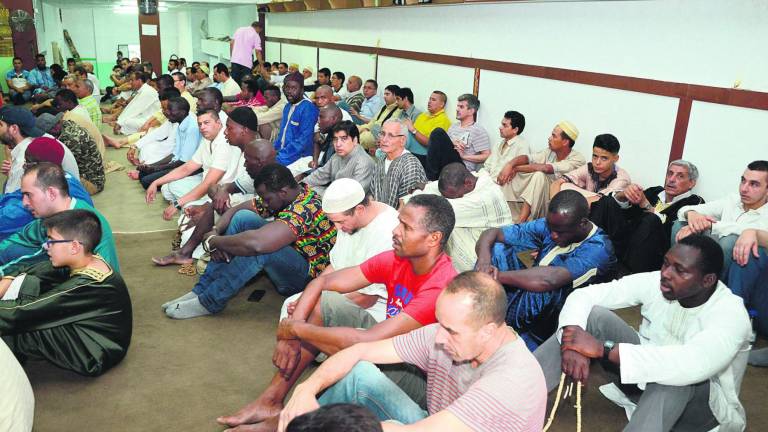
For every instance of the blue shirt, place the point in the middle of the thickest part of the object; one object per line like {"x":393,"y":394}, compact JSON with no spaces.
{"x":372,"y":106}
{"x":590,"y":261}
{"x":41,"y":78}
{"x":294,"y":140}
{"x":13,"y":215}
{"x":11,"y":74}
{"x":187,"y":139}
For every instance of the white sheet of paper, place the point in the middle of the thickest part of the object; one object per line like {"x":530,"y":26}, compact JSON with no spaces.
{"x":149,"y":30}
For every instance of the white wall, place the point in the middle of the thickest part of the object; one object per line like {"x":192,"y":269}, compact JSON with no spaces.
{"x":707,"y":42}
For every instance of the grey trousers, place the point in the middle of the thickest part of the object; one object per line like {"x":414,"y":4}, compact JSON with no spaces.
{"x":661,"y":407}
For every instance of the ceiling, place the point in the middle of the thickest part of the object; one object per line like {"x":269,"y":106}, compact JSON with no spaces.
{"x":170,"y":4}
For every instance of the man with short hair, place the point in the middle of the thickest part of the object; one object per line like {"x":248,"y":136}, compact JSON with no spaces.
{"x":397,"y":172}
{"x":346,"y":417}
{"x":173,"y":66}
{"x":271,"y":114}
{"x":349,"y":160}
{"x":421,"y":129}
{"x":726,"y":218}
{"x":224,"y":82}
{"x":185,"y":142}
{"x":688,"y":357}
{"x":639,"y":222}
{"x":597,"y":178}
{"x":323,"y":320}
{"x":143,"y":104}
{"x":46,"y":192}
{"x":291,"y":249}
{"x":337,"y":83}
{"x":19,"y":89}
{"x":469,"y":142}
{"x":509,"y":147}
{"x":244,"y":46}
{"x":371,"y":104}
{"x":295,"y":138}
{"x":280,"y":73}
{"x":41,"y":80}
{"x":354,"y":97}
{"x":570,"y":252}
{"x":79,"y":319}
{"x":157,"y":142}
{"x":83,"y":89}
{"x":180,"y":83}
{"x":323,"y":79}
{"x":250,"y":96}
{"x":471,"y":359}
{"x":370,"y":131}
{"x":404,"y":99}
{"x":218,"y":160}
{"x":531,"y":176}
{"x":322,"y":143}
{"x":66,"y":102}
{"x":478,"y":204}
{"x":17,"y":130}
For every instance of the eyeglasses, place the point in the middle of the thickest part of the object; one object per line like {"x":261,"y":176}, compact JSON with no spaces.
{"x":388,"y":136}
{"x":47,"y":244}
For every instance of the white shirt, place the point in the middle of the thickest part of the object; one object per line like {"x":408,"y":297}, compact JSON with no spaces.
{"x":17,"y":402}
{"x":140,"y":108}
{"x":678,"y":346}
{"x":96,"y":86}
{"x":230,"y":88}
{"x":730,"y":214}
{"x":353,"y":249}
{"x":218,"y":154}
{"x":82,"y":112}
{"x":69,"y":164}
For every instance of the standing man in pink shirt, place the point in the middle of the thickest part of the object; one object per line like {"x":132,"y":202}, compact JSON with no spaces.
{"x":245,"y":42}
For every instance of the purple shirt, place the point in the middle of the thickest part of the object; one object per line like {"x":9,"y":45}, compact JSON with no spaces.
{"x":245,"y":41}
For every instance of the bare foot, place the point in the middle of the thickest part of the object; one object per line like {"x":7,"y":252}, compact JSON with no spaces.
{"x":114,"y":142}
{"x":133,"y":175}
{"x":256,"y":411}
{"x":268,"y":425}
{"x":174,"y":258}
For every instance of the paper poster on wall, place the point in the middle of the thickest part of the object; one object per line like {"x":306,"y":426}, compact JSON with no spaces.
{"x":149,"y":30}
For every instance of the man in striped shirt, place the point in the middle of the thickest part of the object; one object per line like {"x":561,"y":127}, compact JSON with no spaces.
{"x":480,"y":376}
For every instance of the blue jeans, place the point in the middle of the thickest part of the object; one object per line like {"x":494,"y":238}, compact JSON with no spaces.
{"x":532,"y":314}
{"x":726,"y":244}
{"x":366,"y":385}
{"x":751,"y":284}
{"x":221,"y":281}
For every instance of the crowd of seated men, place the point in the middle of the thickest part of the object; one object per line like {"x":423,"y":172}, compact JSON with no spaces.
{"x":412,"y":247}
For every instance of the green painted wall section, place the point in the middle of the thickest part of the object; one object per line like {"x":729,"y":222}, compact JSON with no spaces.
{"x":6,"y":63}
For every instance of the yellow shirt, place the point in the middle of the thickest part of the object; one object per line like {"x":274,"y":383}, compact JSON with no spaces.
{"x":425,"y":123}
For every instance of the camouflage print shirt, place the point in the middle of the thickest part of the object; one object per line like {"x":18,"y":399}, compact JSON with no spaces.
{"x":84,"y":148}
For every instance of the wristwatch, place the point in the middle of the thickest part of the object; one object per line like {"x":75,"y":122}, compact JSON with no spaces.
{"x":176,"y":204}
{"x":607,"y":347}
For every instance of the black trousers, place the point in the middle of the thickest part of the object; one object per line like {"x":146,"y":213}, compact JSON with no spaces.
{"x":238,"y":71}
{"x":440,"y":152}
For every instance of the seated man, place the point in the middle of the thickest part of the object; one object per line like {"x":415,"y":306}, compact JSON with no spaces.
{"x":478,"y":204}
{"x":186,"y":140}
{"x":202,"y":80}
{"x":599,"y":177}
{"x":397,"y":172}
{"x":19,"y":89}
{"x":364,"y":230}
{"x":349,"y":160}
{"x":257,"y":153}
{"x":480,"y":376}
{"x":17,"y":131}
{"x":353,"y":97}
{"x":336,"y":417}
{"x":369,"y":132}
{"x":224,"y":82}
{"x":748,"y":279}
{"x":408,"y":110}
{"x":271,"y":114}
{"x":726,"y":218}
{"x":66,"y":102}
{"x":72,"y":309}
{"x":323,"y":320}
{"x":511,"y":146}
{"x":143,"y":104}
{"x":291,"y":249}
{"x":689,"y":355}
{"x":468,"y":141}
{"x":217,"y":158}
{"x":639,"y":222}
{"x":155,"y":127}
{"x":13,"y":213}
{"x":250,"y":96}
{"x":89,"y":160}
{"x":421,"y":129}
{"x":41,"y":80}
{"x":294,"y":140}
{"x":180,"y":84}
{"x":157,"y":143}
{"x":322,"y":143}
{"x":570,"y":252}
{"x":46,"y":193}
{"x":84,"y":89}
{"x":531,"y":176}
{"x":370,"y":105}
{"x":337,"y":84}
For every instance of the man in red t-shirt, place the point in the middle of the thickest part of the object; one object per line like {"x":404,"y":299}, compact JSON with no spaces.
{"x":482,"y":377}
{"x":324,"y":320}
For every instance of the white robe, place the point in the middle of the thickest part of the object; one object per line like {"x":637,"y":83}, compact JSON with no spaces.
{"x":144,"y":104}
{"x":158,"y":143}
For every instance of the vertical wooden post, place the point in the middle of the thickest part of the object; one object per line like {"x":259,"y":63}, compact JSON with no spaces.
{"x":150,"y":43}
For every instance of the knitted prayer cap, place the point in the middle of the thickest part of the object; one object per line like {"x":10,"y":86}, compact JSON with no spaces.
{"x":342,"y":195}
{"x":294,"y":76}
{"x":45,"y":149}
{"x":46,"y":121}
{"x":245,"y":117}
{"x":569,"y":129}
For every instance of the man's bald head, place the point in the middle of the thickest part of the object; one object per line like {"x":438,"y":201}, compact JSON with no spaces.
{"x":323,"y":96}
{"x":571,"y":203}
{"x":258,"y":152}
{"x":354,"y":83}
{"x":329,"y":116}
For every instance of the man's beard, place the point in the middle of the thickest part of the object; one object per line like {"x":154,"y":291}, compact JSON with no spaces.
{"x":6,"y":139}
{"x":42,"y":68}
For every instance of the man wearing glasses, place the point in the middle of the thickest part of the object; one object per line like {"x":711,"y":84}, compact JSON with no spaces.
{"x":45,"y":193}
{"x":397,"y":172}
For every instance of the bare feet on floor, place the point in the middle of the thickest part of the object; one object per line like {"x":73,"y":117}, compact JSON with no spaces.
{"x":268,"y":425}
{"x":257,"y":411}
{"x":113,"y":142}
{"x":174,"y":258}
